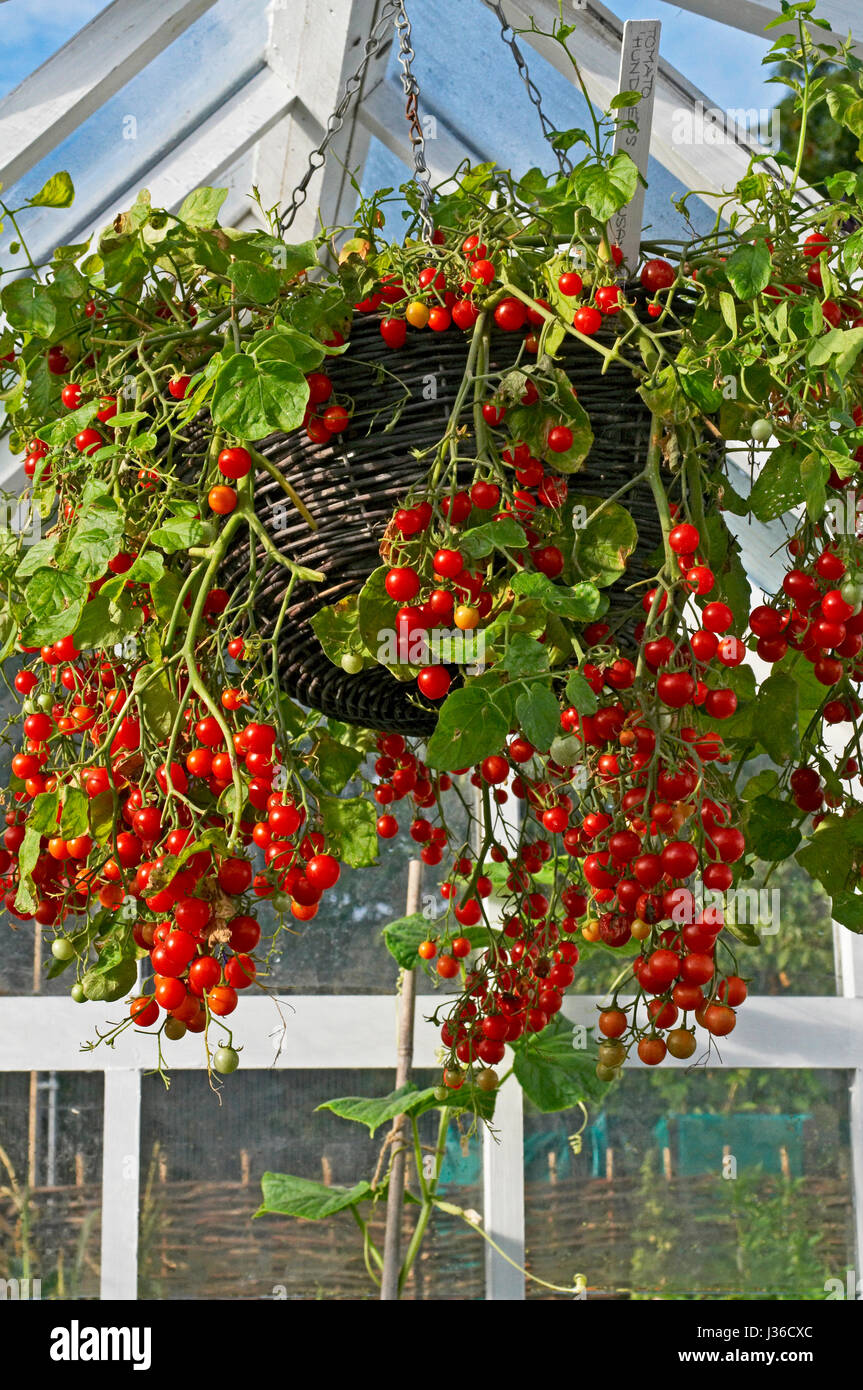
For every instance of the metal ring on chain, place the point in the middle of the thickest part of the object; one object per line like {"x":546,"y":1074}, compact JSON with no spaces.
{"x":548,"y":130}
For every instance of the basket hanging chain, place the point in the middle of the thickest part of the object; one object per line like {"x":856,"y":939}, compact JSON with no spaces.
{"x":418,"y":144}
{"x":317,"y":158}
{"x":507,"y":33}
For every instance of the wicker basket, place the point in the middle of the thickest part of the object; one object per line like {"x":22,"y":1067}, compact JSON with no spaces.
{"x":352,"y":485}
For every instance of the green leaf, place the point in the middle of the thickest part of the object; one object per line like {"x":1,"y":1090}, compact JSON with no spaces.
{"x":337,"y":628}
{"x":580,"y":695}
{"x":582,"y":601}
{"x":761,"y":784}
{"x":606,"y":188}
{"x":504,"y":535}
{"x":403,"y":936}
{"x":831,"y":855}
{"x":814,"y":472}
{"x":842,"y":345}
{"x":285,"y":1195}
{"x":604,"y":545}
{"x":284,"y":344}
{"x":71,"y":424}
{"x":102,"y":816}
{"x":848,"y":910}
{"x":376,"y":611}
{"x":179,"y":533}
{"x":337,"y":763}
{"x":771,"y":829}
{"x":538,"y":713}
{"x":156,"y":702}
{"x":525,"y":656}
{"x":349,"y":826}
{"x":779,"y":486}
{"x":374,"y":1112}
{"x":469,"y":728}
{"x":75,"y":819}
{"x":29,"y":306}
{"x":110,"y":980}
{"x":624,"y":99}
{"x":259,"y":283}
{"x":250,"y":400}
{"x":58,"y":192}
{"x":553,"y":1073}
{"x":748,"y":269}
{"x":106,"y":621}
{"x":776,"y":717}
{"x":201,"y":208}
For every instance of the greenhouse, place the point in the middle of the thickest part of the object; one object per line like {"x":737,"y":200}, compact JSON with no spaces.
{"x":431,"y":631}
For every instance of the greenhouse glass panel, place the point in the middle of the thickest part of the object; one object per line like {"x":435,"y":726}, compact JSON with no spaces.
{"x":51,"y":1182}
{"x":201,"y":1167}
{"x":701,"y":1185}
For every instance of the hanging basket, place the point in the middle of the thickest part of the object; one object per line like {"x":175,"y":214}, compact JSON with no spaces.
{"x":352,"y":485}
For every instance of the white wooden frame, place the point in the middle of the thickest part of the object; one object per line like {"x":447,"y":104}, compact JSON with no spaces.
{"x":274,"y":121}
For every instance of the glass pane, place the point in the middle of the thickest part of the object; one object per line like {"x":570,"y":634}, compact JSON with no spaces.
{"x":201,"y":1166}
{"x":51,"y":1181}
{"x":31,"y":33}
{"x":703,"y":1185}
{"x":131,"y":132}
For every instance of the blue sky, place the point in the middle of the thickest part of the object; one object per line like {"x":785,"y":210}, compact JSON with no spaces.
{"x":31,"y":30}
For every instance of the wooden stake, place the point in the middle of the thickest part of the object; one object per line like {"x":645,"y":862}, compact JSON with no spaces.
{"x":404,"y":1060}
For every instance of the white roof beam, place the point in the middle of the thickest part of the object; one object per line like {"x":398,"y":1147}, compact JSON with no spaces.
{"x":844,"y":17}
{"x":314,"y":48}
{"x":197,"y":161}
{"x":96,"y":62}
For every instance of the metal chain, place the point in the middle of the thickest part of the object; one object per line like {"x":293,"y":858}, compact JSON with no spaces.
{"x":389,"y":15}
{"x":411,"y":91}
{"x":507,"y":33}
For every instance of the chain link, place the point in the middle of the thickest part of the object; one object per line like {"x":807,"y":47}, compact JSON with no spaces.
{"x":507,"y":33}
{"x":317,"y":158}
{"x":411,"y":91}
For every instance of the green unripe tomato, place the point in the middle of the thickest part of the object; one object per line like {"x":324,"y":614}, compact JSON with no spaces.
{"x":45,"y":701}
{"x":62,"y":948}
{"x":440,"y":1093}
{"x":487,"y":1079}
{"x":606,"y":1073}
{"x":351,"y":663}
{"x":281,"y":902}
{"x":761,"y":431}
{"x":226,"y":1060}
{"x":77,"y":993}
{"x":175,"y":1029}
{"x":852,"y":592}
{"x":612,"y":1054}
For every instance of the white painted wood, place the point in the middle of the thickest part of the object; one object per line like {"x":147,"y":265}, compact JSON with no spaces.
{"x":772,"y":1032}
{"x":503,"y":1194}
{"x":346,"y":1031}
{"x":639,"y":58}
{"x":843,"y":16}
{"x":314,"y":47}
{"x":703,"y":147}
{"x":121,"y":1161}
{"x":220,"y":153}
{"x":55,"y":99}
{"x":219,"y":142}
